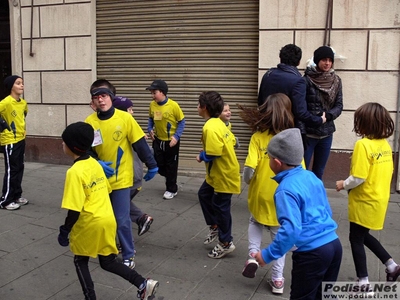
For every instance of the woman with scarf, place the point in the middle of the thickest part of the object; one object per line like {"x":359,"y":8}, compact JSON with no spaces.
{"x":324,"y":94}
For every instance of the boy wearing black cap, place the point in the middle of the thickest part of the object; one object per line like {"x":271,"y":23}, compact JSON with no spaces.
{"x":116,"y":132}
{"x":305,"y":217}
{"x":165,"y":127}
{"x":90,"y":224}
{"x":13,"y":109}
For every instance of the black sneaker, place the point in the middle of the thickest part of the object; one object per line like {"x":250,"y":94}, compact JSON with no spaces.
{"x":144,"y":224}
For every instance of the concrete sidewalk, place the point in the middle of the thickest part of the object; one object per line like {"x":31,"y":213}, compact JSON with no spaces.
{"x":34,"y":266}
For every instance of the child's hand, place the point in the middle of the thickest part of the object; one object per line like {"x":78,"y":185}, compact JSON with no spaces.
{"x":259,"y":259}
{"x":173,"y":142}
{"x":63,"y":239}
{"x":150,"y":174}
{"x":151,"y":133}
{"x":339,"y":185}
{"x":106,"y":168}
{"x":198,"y":157}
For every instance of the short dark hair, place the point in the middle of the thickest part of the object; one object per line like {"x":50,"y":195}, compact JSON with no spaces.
{"x":373,"y":121}
{"x":213,"y":102}
{"x":290,"y":55}
{"x":103,"y":83}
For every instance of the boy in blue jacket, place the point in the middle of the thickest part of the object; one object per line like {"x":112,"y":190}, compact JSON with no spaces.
{"x":305,"y":217}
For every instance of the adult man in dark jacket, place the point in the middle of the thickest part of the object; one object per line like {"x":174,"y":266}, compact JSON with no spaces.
{"x":286,"y":79}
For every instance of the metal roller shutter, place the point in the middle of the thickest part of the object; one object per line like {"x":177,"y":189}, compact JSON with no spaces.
{"x":194,"y":46}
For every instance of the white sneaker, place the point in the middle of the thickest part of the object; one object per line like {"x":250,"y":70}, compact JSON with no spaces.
{"x":277,"y":285}
{"x":147,"y":289}
{"x":11,"y":206}
{"x":361,"y":290}
{"x":168,"y":195}
{"x":22,"y":201}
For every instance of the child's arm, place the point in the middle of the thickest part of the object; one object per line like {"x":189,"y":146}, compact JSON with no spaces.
{"x":248,"y":173}
{"x":143,"y":151}
{"x":204,"y":157}
{"x":350,"y":183}
{"x":289,"y":217}
{"x":150,"y":126}
{"x":179,"y":130}
{"x":65,"y":229}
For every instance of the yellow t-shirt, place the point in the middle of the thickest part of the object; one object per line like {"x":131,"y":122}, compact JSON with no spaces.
{"x":166,"y":118}
{"x":116,"y":136}
{"x":372,"y":161}
{"x":222,"y":173}
{"x":86,"y":190}
{"x":262,"y":188}
{"x":14,"y":113}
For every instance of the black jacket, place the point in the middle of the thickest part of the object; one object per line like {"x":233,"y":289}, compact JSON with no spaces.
{"x":315,"y":106}
{"x":288,"y":80}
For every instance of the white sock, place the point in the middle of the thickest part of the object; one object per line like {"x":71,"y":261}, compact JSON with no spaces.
{"x":390,"y":265}
{"x":363,"y":280}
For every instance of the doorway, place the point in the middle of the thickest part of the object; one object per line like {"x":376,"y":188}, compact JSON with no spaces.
{"x":5,"y":47}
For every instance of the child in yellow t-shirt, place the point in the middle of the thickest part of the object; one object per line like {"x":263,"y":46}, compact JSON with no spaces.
{"x":13,"y":111}
{"x":165,"y":127}
{"x":222,"y":176}
{"x":368,"y":185}
{"x":90,"y":224}
{"x":225,"y":116}
{"x":274,"y":116}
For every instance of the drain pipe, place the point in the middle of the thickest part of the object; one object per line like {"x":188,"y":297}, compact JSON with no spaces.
{"x":31,"y":40}
{"x":328,"y":24}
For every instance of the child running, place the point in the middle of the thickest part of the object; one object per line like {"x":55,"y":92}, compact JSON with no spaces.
{"x":222,"y":175}
{"x":305,"y":216}
{"x":90,"y":225}
{"x":368,"y":188}
{"x":269,"y":119}
{"x":165,"y":127}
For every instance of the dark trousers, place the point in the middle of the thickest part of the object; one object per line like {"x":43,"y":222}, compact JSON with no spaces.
{"x":311,"y":268}
{"x":216,"y":209}
{"x":167,"y":159}
{"x":360,"y":236}
{"x":320,"y":148}
{"x":14,"y":156}
{"x":109,"y":263}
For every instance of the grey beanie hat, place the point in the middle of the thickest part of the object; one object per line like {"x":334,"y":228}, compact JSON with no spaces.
{"x":287,"y":146}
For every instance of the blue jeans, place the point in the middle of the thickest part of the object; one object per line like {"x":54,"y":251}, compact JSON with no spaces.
{"x":311,"y":268}
{"x":216,"y":209}
{"x":321,"y":148}
{"x":121,"y":202}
